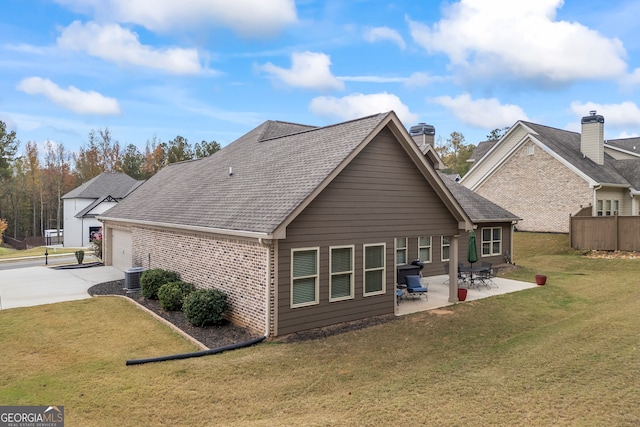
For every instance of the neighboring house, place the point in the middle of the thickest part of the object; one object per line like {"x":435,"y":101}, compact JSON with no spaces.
{"x":83,"y":204}
{"x":544,"y":174}
{"x":301,"y":226}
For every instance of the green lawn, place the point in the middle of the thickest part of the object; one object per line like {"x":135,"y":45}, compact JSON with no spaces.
{"x":563,"y":354}
{"x":6,"y":253}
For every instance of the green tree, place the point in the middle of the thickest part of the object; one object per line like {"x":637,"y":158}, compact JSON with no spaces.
{"x":497,"y":133}
{"x":8,"y":149}
{"x":132,"y":161}
{"x":205,"y":149}
{"x":179,"y":150}
{"x":455,"y":153}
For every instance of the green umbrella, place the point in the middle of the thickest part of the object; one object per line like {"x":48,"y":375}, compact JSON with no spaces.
{"x":472,"y":253}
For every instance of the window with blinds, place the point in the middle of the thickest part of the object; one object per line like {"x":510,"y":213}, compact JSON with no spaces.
{"x":424,"y":248}
{"x":401,"y":250}
{"x":341,"y":277}
{"x":304,"y":277}
{"x":374,"y":269}
{"x":445,"y":246}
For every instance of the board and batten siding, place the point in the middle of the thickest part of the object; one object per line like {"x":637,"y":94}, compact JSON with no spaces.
{"x":379,"y":196}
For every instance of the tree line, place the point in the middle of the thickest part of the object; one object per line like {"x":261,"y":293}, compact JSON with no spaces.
{"x":33,"y":179}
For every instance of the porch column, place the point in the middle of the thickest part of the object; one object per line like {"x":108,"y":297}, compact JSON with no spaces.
{"x":453,"y":268}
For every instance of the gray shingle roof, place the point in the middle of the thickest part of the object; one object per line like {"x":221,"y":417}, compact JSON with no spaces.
{"x":482,"y":149}
{"x":116,"y":185}
{"x":567,"y":145}
{"x":477,"y":207}
{"x":275,"y":167}
{"x":628,"y":144}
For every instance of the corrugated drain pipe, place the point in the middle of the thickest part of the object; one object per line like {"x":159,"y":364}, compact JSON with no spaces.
{"x":196,"y":353}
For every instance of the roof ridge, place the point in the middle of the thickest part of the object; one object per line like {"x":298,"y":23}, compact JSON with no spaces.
{"x":549,"y":127}
{"x":316,"y":128}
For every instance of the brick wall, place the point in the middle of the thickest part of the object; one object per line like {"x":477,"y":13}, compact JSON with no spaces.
{"x":537,"y":188}
{"x":234,"y":266}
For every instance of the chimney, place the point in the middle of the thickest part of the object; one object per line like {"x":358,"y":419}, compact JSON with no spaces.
{"x":423,"y":134}
{"x":592,"y":137}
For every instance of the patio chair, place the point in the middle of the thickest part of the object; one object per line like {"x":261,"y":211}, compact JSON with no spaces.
{"x":485,"y":275}
{"x":414,"y":287}
{"x":399,"y":295}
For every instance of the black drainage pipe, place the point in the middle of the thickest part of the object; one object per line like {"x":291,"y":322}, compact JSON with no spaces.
{"x":196,"y":353}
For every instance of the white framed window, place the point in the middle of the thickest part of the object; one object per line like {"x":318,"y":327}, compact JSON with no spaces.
{"x":491,"y":241}
{"x":616,"y":207}
{"x":424,"y":248}
{"x":341,"y":272}
{"x":304,"y":277}
{"x":445,"y":245}
{"x":530,"y":150}
{"x":599,"y":206}
{"x":374,"y":269}
{"x":607,"y":207}
{"x":401,"y":250}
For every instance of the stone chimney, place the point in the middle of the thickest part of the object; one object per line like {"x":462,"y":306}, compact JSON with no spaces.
{"x":592,"y":137}
{"x":423,"y":134}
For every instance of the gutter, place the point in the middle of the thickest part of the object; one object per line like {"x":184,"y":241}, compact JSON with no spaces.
{"x":192,"y":228}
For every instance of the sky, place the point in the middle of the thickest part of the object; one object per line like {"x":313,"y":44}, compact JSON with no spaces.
{"x":215,"y":69}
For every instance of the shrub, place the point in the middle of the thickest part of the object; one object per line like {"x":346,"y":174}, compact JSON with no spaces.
{"x":80,"y":256}
{"x":204,"y":307}
{"x":151,"y":280}
{"x":171,"y":295}
{"x":96,"y":244}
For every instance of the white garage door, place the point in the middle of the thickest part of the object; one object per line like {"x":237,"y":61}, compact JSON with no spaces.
{"x":121,"y":255}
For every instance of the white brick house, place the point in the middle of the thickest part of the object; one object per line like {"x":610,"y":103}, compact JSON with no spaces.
{"x":544,"y":175}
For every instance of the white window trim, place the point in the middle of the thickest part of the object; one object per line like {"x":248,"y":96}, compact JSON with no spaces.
{"x":491,"y":242}
{"x":442,"y":245}
{"x":405,"y":249}
{"x":426,"y":261}
{"x":352,"y":271}
{"x":317,"y":277}
{"x":364,"y":269}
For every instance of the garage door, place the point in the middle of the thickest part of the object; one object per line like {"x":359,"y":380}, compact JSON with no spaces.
{"x":121,"y":255}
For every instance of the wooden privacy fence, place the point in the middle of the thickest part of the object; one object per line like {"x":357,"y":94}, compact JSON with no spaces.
{"x":605,"y":233}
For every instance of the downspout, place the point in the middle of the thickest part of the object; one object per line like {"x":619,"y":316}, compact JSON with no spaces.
{"x":267,"y":310}
{"x":594,"y":211}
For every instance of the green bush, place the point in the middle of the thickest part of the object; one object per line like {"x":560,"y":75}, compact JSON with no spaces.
{"x":204,"y":307}
{"x":80,"y":256}
{"x":171,"y":295}
{"x":151,"y":280}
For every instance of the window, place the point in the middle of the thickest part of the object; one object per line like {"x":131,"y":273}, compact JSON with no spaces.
{"x":304,"y":277}
{"x":530,"y":150}
{"x":401,"y":250}
{"x":445,"y":244}
{"x":491,"y":241}
{"x":607,"y":207}
{"x":341,"y":268}
{"x":374,"y":269}
{"x":424,"y":248}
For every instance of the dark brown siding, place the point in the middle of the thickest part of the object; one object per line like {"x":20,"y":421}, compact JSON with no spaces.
{"x":381,"y":195}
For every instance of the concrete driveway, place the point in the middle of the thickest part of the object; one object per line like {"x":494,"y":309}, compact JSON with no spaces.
{"x":25,"y":287}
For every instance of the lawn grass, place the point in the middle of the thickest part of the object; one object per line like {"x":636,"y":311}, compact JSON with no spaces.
{"x":563,"y":354}
{"x":6,"y":253}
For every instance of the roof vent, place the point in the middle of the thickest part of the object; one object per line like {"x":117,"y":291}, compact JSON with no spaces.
{"x":422,"y":129}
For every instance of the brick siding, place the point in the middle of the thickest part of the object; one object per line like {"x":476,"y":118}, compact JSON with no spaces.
{"x":234,"y":266}
{"x":537,"y":188}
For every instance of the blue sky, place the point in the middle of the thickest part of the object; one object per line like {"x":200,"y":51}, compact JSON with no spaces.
{"x":215,"y":69}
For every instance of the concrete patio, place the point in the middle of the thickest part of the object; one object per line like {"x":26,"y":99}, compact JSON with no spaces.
{"x":438,"y":293}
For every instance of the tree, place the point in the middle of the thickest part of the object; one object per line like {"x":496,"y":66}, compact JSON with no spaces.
{"x":59,"y":178}
{"x":3,"y":227}
{"x":8,"y":149}
{"x":179,"y":150}
{"x":455,"y":153}
{"x":132,"y":161}
{"x":205,"y":149}
{"x":154,"y":158}
{"x":33,"y":172}
{"x":497,"y":133}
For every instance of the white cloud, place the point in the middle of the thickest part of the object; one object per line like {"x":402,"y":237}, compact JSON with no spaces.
{"x":481,"y":113}
{"x":632,"y":79}
{"x":358,"y":105}
{"x":522,"y":39}
{"x":70,"y":98}
{"x":384,"y":33}
{"x":309,"y":70}
{"x":625,"y":135}
{"x":113,"y":43}
{"x":626,"y":113}
{"x":246,"y":17}
{"x":372,"y":79}
{"x":420,"y":79}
